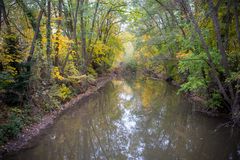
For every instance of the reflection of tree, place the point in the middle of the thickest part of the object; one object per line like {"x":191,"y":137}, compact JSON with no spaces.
{"x":171,"y":131}
{"x":115,"y":124}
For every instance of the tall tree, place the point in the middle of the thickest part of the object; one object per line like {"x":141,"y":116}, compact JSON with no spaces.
{"x":49,"y":31}
{"x":83,"y":35}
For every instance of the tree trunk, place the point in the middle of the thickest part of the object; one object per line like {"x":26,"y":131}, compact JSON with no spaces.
{"x":188,"y":11}
{"x":5,"y":19}
{"x":92,"y":30}
{"x":34,"y":40}
{"x":29,"y":14}
{"x":75,"y":23}
{"x":236,"y":12}
{"x":221,"y":48}
{"x":0,"y":18}
{"x":227,"y":26}
{"x":59,"y":23}
{"x":83,"y":37}
{"x":49,"y":30}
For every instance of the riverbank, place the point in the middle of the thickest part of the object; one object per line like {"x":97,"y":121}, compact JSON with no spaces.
{"x":31,"y":131}
{"x":139,"y":110}
{"x":191,"y":96}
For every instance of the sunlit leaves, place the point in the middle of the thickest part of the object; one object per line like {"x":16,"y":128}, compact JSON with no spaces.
{"x":56,"y":74}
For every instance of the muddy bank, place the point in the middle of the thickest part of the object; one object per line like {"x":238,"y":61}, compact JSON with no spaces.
{"x":29,"y":132}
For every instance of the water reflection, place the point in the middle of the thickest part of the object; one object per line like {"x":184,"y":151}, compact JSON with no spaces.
{"x":134,"y":119}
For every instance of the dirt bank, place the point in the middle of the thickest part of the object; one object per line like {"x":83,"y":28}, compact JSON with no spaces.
{"x":33,"y":130}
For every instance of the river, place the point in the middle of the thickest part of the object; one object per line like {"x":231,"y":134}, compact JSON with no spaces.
{"x":134,"y":119}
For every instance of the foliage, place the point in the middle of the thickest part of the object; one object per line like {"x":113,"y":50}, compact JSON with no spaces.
{"x":132,"y":65}
{"x":193,"y":43}
{"x":215,"y":101}
{"x":56,"y":74}
{"x":10,"y":60}
{"x":12,"y":128}
{"x":61,"y":92}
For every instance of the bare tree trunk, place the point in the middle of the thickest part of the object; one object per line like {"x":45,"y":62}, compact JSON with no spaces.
{"x":236,"y":104}
{"x":0,"y":18}
{"x":34,"y":40}
{"x":227,"y":26}
{"x":221,"y":48}
{"x":83,"y":37}
{"x":75,"y":23}
{"x":236,"y":4}
{"x":48,"y":28}
{"x":59,"y":23}
{"x":99,"y":35}
{"x":68,"y":21}
{"x":188,"y":11}
{"x":73,"y":28}
{"x":92,"y":30}
{"x":5,"y":19}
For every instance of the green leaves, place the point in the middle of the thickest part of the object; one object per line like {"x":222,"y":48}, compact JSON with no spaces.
{"x":194,"y":84}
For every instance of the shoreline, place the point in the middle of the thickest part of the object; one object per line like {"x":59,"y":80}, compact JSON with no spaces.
{"x":193,"y":98}
{"x":30,"y":132}
{"x":33,"y":130}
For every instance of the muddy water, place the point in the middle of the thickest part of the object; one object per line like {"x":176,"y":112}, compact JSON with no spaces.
{"x":131,"y":120}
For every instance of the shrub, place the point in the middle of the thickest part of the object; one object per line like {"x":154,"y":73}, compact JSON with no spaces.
{"x":131,"y":65}
{"x":63,"y":92}
{"x":215,"y":101}
{"x":12,"y":128}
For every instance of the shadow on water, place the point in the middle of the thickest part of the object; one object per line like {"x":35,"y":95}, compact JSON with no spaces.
{"x":134,"y":119}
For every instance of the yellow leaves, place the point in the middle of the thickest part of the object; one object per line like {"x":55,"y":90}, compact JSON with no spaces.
{"x":64,"y":92}
{"x":11,"y":70}
{"x":100,"y":51}
{"x":127,"y":37}
{"x":107,"y":54}
{"x":63,"y":43}
{"x":183,"y":54}
{"x":61,"y":92}
{"x":29,"y":33}
{"x":57,"y":18}
{"x":60,"y":43}
{"x":4,"y":58}
{"x":146,"y":37}
{"x":70,"y":68}
{"x":7,"y":59}
{"x":56,"y":74}
{"x":145,"y":53}
{"x":100,"y":48}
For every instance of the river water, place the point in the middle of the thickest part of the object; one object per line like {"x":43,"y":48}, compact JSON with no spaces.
{"x":134,"y":119}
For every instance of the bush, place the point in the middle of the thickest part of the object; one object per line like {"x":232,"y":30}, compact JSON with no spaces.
{"x":54,"y":96}
{"x":215,"y":101}
{"x":92,"y":72}
{"x":63,"y":92}
{"x":11,"y":129}
{"x":131,"y":65}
